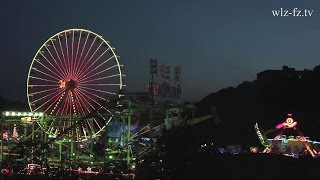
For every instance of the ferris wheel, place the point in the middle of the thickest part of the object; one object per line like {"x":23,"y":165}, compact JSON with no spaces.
{"x":72,"y":74}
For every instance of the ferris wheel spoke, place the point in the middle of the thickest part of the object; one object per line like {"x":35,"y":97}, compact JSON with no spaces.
{"x":92,"y":94}
{"x":82,"y":99}
{"x":80,"y":61}
{"x":67,"y":48}
{"x":42,"y":85}
{"x":70,"y":104}
{"x":44,"y":91}
{"x":59,"y":69}
{"x":106,"y":121}
{"x":81,"y":74}
{"x":72,"y":60}
{"x":76,"y":58}
{"x":85,"y":76}
{"x":48,"y":75}
{"x":49,"y":70}
{"x":63,"y":57}
{"x":47,"y":80}
{"x":46,"y":96}
{"x":56,"y":103}
{"x":98,"y":90}
{"x":48,"y":101}
{"x":78,"y":104}
{"x":68,"y":109}
{"x":91,"y":128}
{"x":73,"y":105}
{"x":61,"y":108}
{"x":100,"y":84}
{"x":92,"y":100}
{"x":85,"y":57}
{"x":65,"y":106}
{"x":85,"y":73}
{"x":101,"y":78}
{"x":56,"y":72}
{"x":97,"y":73}
{"x":60,"y":61}
{"x":97,"y":123}
{"x":84,"y":68}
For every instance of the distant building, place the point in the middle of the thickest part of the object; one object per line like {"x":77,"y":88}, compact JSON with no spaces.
{"x":286,"y":73}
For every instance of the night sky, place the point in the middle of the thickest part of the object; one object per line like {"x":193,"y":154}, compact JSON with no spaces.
{"x":217,"y":43}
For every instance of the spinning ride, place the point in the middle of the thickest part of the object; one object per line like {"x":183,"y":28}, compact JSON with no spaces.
{"x":287,"y":145}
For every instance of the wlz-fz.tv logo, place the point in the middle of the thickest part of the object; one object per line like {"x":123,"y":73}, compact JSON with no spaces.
{"x":295,"y":12}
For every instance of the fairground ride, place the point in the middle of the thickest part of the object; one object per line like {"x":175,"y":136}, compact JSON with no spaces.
{"x":284,"y":144}
{"x":74,"y":89}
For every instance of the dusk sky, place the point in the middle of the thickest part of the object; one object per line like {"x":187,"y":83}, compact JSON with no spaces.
{"x":217,"y":43}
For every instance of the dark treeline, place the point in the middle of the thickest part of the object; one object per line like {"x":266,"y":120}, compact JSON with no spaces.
{"x":10,"y":105}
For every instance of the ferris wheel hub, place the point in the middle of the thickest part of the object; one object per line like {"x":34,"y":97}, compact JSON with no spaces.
{"x":71,"y":84}
{"x":68,"y":85}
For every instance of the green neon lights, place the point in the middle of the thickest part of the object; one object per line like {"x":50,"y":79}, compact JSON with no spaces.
{"x":22,"y":114}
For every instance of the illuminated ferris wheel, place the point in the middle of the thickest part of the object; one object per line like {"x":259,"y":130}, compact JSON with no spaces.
{"x":73,"y":73}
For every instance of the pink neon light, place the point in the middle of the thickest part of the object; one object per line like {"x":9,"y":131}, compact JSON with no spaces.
{"x":85,"y":76}
{"x":279,"y":126}
{"x":78,"y":104}
{"x":107,"y":69}
{"x":56,"y":102}
{"x":72,"y":60}
{"x":289,"y":123}
{"x":64,"y":59}
{"x":61,"y":64}
{"x":85,"y":94}
{"x":48,"y":75}
{"x":75,"y":59}
{"x":58,"y":93}
{"x":85,"y":67}
{"x":92,"y":89}
{"x":85,"y":57}
{"x":80,"y":58}
{"x":67,"y":48}
{"x":53,"y":73}
{"x":82,"y":99}
{"x":59,"y":69}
